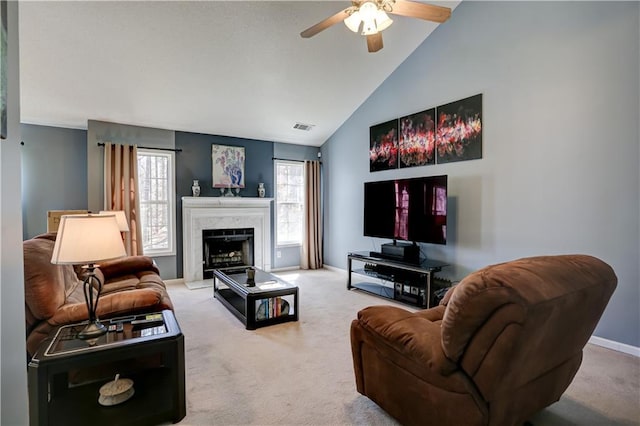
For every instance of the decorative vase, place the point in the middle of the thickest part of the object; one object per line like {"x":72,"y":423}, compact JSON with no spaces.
{"x":261,"y":190}
{"x":195,"y":188}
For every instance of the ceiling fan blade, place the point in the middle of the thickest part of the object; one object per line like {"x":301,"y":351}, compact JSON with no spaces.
{"x":323,"y":25}
{"x":374,"y":42}
{"x":427,"y":12}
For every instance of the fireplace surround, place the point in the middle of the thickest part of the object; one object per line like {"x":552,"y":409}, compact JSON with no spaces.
{"x":211,"y":213}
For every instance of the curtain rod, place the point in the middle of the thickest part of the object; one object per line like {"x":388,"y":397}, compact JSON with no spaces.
{"x":295,"y":161}
{"x":150,"y":147}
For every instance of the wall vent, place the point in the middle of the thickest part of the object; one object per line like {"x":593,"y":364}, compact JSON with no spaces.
{"x":302,"y":126}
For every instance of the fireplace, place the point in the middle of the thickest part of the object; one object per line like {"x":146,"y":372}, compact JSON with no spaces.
{"x":200,"y":213}
{"x":226,"y":248}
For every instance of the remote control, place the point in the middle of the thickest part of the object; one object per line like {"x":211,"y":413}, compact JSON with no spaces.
{"x":147,"y":321}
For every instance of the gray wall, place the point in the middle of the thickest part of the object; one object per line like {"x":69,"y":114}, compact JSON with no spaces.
{"x":560,"y":168}
{"x":54,"y":176}
{"x":13,"y":379}
{"x":194,"y":162}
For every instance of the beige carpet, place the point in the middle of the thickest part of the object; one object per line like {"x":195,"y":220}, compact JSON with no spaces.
{"x":301,"y":373}
{"x":196,"y":285}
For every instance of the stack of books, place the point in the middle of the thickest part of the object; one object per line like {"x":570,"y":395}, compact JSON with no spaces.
{"x":272,"y":307}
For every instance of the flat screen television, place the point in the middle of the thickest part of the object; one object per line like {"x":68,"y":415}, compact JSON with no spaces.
{"x":413,"y":209}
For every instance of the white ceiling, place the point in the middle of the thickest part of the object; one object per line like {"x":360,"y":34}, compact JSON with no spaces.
{"x":234,"y":68}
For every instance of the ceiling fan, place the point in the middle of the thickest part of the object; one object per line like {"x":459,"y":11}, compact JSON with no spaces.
{"x":369,"y":17}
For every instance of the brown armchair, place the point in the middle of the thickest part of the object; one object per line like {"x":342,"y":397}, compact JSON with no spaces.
{"x":54,"y":295}
{"x":503,"y":344}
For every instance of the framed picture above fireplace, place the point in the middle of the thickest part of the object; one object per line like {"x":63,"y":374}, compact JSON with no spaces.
{"x":227,"y":166}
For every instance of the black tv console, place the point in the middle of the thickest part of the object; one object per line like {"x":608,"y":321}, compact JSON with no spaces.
{"x":410,"y":283}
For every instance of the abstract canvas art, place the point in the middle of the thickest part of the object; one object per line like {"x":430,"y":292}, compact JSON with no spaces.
{"x":459,"y":130}
{"x":418,"y":139}
{"x":227,"y":166}
{"x":383,"y":146}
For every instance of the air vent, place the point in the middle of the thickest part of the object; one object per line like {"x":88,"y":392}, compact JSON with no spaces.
{"x":302,"y":126}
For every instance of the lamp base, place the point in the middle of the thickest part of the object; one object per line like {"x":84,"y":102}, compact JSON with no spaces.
{"x":92,"y":330}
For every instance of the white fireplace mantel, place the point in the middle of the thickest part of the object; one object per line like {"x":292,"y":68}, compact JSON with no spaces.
{"x":200,"y":213}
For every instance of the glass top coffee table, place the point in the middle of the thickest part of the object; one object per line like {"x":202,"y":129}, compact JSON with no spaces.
{"x":268,"y":301}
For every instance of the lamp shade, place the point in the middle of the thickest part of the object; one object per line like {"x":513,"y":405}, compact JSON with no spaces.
{"x":368,"y":13}
{"x":87,"y":239}
{"x":120,"y":218}
{"x":370,"y":17}
{"x":353,"y":21}
{"x":382,"y":20}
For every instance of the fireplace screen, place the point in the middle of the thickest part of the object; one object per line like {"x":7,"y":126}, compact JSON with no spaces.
{"x":226,"y":248}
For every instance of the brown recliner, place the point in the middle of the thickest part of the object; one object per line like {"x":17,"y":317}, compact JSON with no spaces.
{"x":503,"y":344}
{"x":54,"y":294}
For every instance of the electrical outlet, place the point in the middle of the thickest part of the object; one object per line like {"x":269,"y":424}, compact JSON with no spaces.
{"x":278,"y":254}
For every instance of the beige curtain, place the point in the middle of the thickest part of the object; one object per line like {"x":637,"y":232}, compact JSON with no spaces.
{"x":121,"y":190}
{"x":311,"y":256}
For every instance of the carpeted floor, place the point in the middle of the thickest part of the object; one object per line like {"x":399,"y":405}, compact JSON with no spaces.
{"x":196,"y":285}
{"x":301,"y":373}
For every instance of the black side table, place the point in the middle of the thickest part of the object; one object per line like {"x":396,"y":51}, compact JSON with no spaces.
{"x":154,"y":339}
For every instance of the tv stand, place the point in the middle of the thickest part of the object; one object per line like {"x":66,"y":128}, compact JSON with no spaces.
{"x":406,"y":282}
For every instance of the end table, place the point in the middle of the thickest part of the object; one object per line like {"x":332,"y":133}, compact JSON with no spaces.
{"x":159,"y":386}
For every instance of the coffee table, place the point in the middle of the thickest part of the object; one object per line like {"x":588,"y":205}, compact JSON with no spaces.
{"x":270,"y":301}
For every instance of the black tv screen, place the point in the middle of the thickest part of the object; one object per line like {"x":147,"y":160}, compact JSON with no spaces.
{"x":412,"y":209}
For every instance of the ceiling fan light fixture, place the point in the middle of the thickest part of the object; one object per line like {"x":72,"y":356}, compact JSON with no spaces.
{"x":382,"y":20}
{"x":369,"y":27}
{"x":353,"y":22}
{"x":369,"y":17}
{"x":368,"y":11}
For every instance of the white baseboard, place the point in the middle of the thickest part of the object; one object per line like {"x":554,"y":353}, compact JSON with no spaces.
{"x":286,"y":268}
{"x":334,"y":268}
{"x":174,"y":281}
{"x":616,"y":346}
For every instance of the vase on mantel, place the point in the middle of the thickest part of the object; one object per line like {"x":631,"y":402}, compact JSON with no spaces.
{"x":261,"y":190}
{"x":195,"y":188}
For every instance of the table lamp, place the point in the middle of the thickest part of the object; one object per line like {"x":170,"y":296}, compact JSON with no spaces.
{"x":85,"y":240}
{"x":120,"y":218}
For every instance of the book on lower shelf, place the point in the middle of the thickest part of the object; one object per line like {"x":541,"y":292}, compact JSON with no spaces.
{"x":272,"y":307}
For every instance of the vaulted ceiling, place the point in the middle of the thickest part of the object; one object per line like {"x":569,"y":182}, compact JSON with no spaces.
{"x":234,"y":68}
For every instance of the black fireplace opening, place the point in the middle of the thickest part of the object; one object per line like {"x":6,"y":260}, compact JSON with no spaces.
{"x":226,"y":248}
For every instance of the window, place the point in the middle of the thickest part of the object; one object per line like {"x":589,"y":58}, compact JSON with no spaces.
{"x":157,"y":201}
{"x":289,"y":202}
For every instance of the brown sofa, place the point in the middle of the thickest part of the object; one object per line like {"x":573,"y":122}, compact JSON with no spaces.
{"x":54,"y":295}
{"x":503,"y":344}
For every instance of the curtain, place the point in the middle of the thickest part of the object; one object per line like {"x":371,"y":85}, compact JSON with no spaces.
{"x":121,"y":190}
{"x":311,"y":256}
